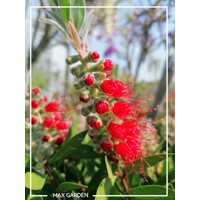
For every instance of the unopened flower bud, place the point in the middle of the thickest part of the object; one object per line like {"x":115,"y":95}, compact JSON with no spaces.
{"x":94,"y":122}
{"x":36,"y":91}
{"x":101,"y":107}
{"x":59,"y":140}
{"x":46,"y":138}
{"x":87,"y":110}
{"x":84,"y":97}
{"x":89,"y":79}
{"x":72,"y":59}
{"x":35,"y":104}
{"x":106,"y":145}
{"x":79,"y":85}
{"x":77,"y":70}
{"x":92,"y":57}
{"x":33,"y":120}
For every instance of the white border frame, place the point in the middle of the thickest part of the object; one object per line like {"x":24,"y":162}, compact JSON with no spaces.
{"x":128,"y":7}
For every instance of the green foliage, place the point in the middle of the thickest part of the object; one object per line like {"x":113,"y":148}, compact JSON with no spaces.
{"x":78,"y":14}
{"x":37,"y":181}
{"x":68,"y":186}
{"x":65,"y":11}
{"x":68,"y":148}
{"x":152,"y":190}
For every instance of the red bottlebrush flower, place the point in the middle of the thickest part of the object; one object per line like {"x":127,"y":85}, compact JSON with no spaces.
{"x":84,"y":97}
{"x":101,"y":107}
{"x":59,"y":140}
{"x":36,"y":91}
{"x":52,"y":107}
{"x":57,"y":116}
{"x":108,"y":66}
{"x":94,"y":122}
{"x":124,"y":130}
{"x":94,"y":56}
{"x":89,"y":80}
{"x":115,"y":88}
{"x":125,"y":110}
{"x":44,"y":98}
{"x":49,"y":122}
{"x":35,"y":104}
{"x":46,"y":138}
{"x":125,"y":152}
{"x":62,"y":125}
{"x":106,"y":145}
{"x":33,"y":120}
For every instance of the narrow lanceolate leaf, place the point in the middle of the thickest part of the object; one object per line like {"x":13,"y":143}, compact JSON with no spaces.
{"x":57,"y":17}
{"x":171,"y":177}
{"x":69,"y":186}
{"x":65,"y":11}
{"x":105,"y":188}
{"x":58,"y":26}
{"x":152,"y":190}
{"x":68,"y":148}
{"x":54,"y":3}
{"x":73,"y":130}
{"x":108,"y":167}
{"x":86,"y":25}
{"x":78,"y":14}
{"x":37,"y":181}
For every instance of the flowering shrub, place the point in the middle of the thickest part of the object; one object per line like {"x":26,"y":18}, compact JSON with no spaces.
{"x":119,"y":142}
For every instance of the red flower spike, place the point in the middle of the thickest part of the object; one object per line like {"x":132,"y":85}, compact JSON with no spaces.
{"x":36,"y":91}
{"x":101,"y":107}
{"x":124,"y":130}
{"x":59,"y":140}
{"x":35,"y":104}
{"x":125,"y":152}
{"x":125,"y":110}
{"x":46,"y":138}
{"x":84,"y":97}
{"x":94,"y":56}
{"x":62,"y":125}
{"x":106,"y":145}
{"x":89,"y":80}
{"x":34,"y":120}
{"x":115,"y":88}
{"x":49,"y":122}
{"x":95,"y":123}
{"x":52,"y":107}
{"x":107,"y":65}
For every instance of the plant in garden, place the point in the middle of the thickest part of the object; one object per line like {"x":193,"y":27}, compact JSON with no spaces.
{"x":117,"y":124}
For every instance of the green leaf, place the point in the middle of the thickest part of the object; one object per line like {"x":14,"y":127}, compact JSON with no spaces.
{"x":72,"y":131}
{"x":57,"y":25}
{"x":35,"y":198}
{"x":65,"y":11}
{"x":152,"y":190}
{"x":86,"y":25}
{"x":27,"y":160}
{"x":85,"y":152}
{"x":68,"y":186}
{"x":68,"y":148}
{"x":151,"y":160}
{"x":54,"y":3}
{"x":57,"y":18}
{"x":78,"y":14}
{"x":105,"y":188}
{"x":108,"y":167}
{"x":171,"y":177}
{"x":37,"y":181}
